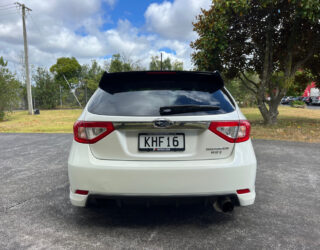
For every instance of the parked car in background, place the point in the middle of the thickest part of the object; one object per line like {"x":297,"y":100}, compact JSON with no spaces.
{"x":315,"y":100}
{"x":307,"y":100}
{"x":292,"y":99}
{"x":163,"y":134}
{"x":300,"y":98}
{"x":285,"y":100}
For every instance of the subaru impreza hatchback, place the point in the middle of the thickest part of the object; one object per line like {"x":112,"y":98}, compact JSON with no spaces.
{"x":163,"y":134}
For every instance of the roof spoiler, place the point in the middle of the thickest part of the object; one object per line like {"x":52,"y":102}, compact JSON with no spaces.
{"x":157,"y":80}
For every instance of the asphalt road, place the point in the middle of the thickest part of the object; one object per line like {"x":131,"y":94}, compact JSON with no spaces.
{"x":313,"y":107}
{"x":308,"y":106}
{"x":35,"y":212}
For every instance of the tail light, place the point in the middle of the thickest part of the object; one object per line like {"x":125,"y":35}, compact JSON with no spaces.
{"x":231,"y":131}
{"x":91,"y":132}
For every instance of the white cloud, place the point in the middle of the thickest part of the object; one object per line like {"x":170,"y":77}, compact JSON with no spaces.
{"x":66,"y":28}
{"x":174,"y":20}
{"x":52,"y":30}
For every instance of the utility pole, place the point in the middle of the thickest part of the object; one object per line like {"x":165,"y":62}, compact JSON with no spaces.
{"x":161,"y":61}
{"x":26,"y":59}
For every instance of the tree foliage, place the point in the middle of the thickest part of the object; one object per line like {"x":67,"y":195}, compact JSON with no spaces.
{"x":244,"y":98}
{"x":9,"y":89}
{"x":155,"y":64}
{"x":91,"y":74}
{"x":122,"y":64}
{"x":50,"y":89}
{"x":273,"y":38}
{"x":89,"y":80}
{"x":46,"y":90}
{"x":68,"y":68}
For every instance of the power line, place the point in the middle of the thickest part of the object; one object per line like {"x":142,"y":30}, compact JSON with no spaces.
{"x":4,"y":5}
{"x":9,"y":8}
{"x":4,"y":11}
{"x":7,"y":14}
{"x":8,"y":11}
{"x":6,"y":2}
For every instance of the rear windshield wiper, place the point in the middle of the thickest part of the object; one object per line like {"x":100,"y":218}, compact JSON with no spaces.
{"x":171,"y":110}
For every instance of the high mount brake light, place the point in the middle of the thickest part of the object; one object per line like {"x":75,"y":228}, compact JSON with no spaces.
{"x":161,"y":73}
{"x":231,"y":131}
{"x":91,"y":132}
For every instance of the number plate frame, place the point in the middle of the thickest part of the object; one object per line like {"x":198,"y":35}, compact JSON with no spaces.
{"x":154,"y":149}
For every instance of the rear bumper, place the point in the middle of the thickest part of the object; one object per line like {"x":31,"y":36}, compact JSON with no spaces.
{"x":162,"y":178}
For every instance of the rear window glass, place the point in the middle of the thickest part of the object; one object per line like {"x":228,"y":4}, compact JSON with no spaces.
{"x":148,"y":102}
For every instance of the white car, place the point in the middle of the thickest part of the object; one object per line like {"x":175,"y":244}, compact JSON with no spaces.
{"x":163,"y":134}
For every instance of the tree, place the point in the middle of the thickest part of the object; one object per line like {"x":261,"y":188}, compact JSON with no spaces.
{"x":155,"y":64}
{"x":312,"y":72}
{"x":9,"y":89}
{"x":243,"y":97}
{"x":122,"y":64}
{"x":90,"y":78}
{"x":272,"y":38}
{"x":67,"y":74}
{"x":68,"y":68}
{"x":46,"y":90}
{"x":116,"y":64}
{"x":177,"y":65}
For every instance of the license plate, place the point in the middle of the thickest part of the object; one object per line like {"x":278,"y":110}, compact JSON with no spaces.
{"x":161,"y":142}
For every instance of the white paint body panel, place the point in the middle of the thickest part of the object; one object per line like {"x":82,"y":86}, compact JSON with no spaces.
{"x":123,"y":170}
{"x":162,"y":178}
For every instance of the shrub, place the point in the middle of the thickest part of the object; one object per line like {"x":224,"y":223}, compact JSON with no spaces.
{"x":298,"y":104}
{"x":9,"y":89}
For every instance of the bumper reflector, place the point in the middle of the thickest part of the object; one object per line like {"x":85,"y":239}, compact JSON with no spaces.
{"x":83,"y":192}
{"x":243,"y":191}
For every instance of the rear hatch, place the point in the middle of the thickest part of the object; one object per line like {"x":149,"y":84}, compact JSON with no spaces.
{"x":162,"y":116}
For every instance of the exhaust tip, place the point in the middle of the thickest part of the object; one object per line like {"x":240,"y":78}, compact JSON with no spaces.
{"x":227,"y":207}
{"x":223,"y":204}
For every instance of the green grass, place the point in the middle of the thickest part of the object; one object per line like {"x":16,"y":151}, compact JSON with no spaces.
{"x":294,"y":124}
{"x":49,"y":121}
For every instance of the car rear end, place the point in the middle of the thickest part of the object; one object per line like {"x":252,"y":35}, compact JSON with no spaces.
{"x":315,"y":100}
{"x":162,"y":134}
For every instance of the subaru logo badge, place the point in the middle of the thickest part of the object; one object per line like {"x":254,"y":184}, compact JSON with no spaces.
{"x":162,"y":123}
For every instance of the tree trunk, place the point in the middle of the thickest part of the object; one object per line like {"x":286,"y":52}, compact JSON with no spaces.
{"x":269,"y":115}
{"x":273,"y":113}
{"x":269,"y":111}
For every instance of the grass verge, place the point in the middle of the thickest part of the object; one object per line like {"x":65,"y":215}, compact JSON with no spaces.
{"x":293,"y":124}
{"x":49,"y":121}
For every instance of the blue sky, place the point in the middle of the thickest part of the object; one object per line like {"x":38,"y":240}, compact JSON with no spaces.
{"x":128,"y":9}
{"x":97,"y":29}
